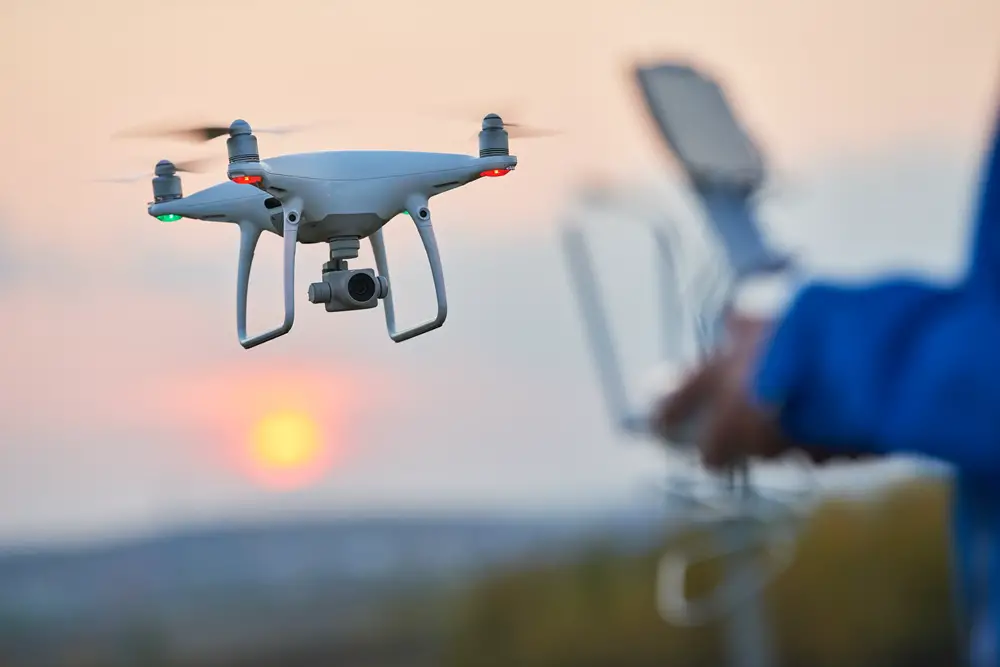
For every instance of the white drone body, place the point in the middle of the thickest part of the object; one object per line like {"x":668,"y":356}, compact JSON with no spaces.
{"x":334,"y":197}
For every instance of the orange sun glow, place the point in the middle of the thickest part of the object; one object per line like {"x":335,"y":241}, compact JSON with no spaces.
{"x":287,"y":449}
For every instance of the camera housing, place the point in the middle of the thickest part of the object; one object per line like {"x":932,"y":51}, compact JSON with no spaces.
{"x":349,"y":289}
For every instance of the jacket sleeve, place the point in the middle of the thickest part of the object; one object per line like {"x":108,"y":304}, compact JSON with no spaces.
{"x":984,"y":267}
{"x":900,"y":366}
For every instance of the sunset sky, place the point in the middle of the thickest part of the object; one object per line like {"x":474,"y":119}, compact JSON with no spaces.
{"x":127,"y":401}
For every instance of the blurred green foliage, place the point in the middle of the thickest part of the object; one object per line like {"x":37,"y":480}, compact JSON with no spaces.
{"x":869,"y":586}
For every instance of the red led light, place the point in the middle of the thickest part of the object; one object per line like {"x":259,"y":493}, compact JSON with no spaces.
{"x":493,"y":173}
{"x":249,"y":180}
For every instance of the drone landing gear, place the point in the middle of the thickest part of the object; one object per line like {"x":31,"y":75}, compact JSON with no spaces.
{"x":421,"y":216}
{"x":249,"y":235}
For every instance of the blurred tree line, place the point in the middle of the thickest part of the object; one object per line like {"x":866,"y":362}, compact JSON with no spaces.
{"x":870,"y":585}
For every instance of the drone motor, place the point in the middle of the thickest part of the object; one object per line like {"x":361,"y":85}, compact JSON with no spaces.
{"x":242,"y":144}
{"x":166,"y":182}
{"x":493,"y":139}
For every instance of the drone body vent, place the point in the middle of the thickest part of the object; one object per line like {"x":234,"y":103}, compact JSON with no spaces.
{"x":493,"y":139}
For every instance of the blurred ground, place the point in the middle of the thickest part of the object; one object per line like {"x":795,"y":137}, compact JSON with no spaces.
{"x":869,"y":587}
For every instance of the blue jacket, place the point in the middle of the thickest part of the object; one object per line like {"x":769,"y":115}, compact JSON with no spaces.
{"x":904,"y":366}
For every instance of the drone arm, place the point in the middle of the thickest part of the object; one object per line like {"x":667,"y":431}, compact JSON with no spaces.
{"x":422,"y":218}
{"x":249,"y":235}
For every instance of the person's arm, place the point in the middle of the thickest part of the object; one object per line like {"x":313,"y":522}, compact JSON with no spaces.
{"x":984,"y":267}
{"x":901,"y":366}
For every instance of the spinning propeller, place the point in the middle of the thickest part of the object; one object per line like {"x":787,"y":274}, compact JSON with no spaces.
{"x":515,"y":130}
{"x":187,"y":166}
{"x":201,"y":133}
{"x":520,"y":131}
{"x":209,"y":132}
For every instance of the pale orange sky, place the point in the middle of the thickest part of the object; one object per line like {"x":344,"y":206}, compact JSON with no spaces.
{"x":813,"y":77}
{"x":878,"y":107}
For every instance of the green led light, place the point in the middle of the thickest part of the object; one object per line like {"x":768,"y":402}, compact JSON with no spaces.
{"x":168,"y":217}
{"x":406,"y":212}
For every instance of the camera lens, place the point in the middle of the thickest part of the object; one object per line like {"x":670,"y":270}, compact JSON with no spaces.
{"x":361,"y":287}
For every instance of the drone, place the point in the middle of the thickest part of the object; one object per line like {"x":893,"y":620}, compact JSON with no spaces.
{"x":332,"y":197}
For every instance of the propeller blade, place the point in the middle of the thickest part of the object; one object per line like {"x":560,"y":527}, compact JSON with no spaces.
{"x":194,"y":134}
{"x":195,"y":166}
{"x":203,"y":133}
{"x":518,"y":131}
{"x":515,"y":130}
{"x":286,"y":129}
{"x":125,"y":179}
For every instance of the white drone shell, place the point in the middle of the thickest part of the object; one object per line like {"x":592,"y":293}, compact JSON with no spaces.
{"x":344,"y":193}
{"x":338,"y":197}
{"x":225,"y":202}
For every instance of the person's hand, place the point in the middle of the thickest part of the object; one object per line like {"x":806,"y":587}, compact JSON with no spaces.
{"x":734,"y":427}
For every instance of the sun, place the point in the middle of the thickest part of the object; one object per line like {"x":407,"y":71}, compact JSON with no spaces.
{"x":287,"y":449}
